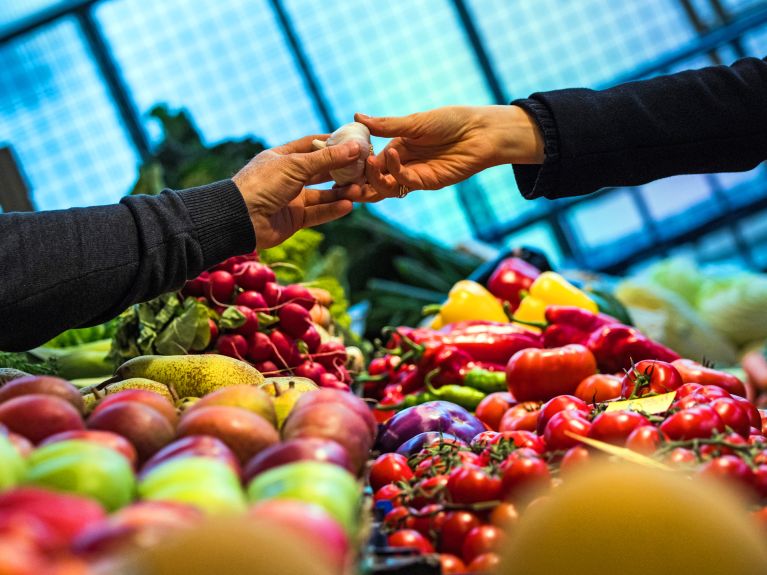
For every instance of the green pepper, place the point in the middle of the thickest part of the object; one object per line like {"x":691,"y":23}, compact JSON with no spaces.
{"x":466,"y":397}
{"x":486,"y":381}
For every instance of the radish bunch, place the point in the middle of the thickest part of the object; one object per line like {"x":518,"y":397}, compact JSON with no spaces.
{"x":281,"y":331}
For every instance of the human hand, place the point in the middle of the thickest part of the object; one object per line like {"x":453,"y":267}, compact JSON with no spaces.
{"x":273,"y":186}
{"x":438,"y":148}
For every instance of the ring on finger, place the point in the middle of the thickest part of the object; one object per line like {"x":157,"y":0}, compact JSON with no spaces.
{"x":403,"y":191}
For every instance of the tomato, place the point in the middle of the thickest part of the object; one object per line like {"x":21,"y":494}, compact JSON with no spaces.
{"x":505,"y":515}
{"x":440,"y":463}
{"x":410,"y":539}
{"x":760,"y":480}
{"x":645,"y":439}
{"x":650,"y":376}
{"x":574,"y":458}
{"x":521,"y":475}
{"x":398,"y":518}
{"x":428,"y":490}
{"x":681,"y":456}
{"x":733,"y":415}
{"x":753,"y":413}
{"x":687,"y":389}
{"x":483,"y":439}
{"x":451,"y":564}
{"x":491,"y":409}
{"x":599,"y":387}
{"x":485,"y":563}
{"x":521,"y":439}
{"x":557,"y":404}
{"x":472,"y":485}
{"x":427,"y":519}
{"x":523,"y":416}
{"x":457,"y":524}
{"x":571,"y":421}
{"x":482,"y":539}
{"x":540,"y":374}
{"x":615,"y":426}
{"x":695,"y":422}
{"x":391,"y":492}
{"x":389,"y":468}
{"x":715,"y":450}
{"x":693,"y":372}
{"x":729,"y":467}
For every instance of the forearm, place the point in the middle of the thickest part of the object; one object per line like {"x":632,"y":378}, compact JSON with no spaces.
{"x":70,"y":268}
{"x":708,"y":120}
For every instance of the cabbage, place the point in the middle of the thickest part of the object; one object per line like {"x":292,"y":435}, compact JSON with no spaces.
{"x":736,"y":307}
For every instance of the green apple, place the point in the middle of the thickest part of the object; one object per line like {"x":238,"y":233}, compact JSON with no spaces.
{"x":206,"y":483}
{"x":85,"y":468}
{"x":324,"y":484}
{"x":12,"y":464}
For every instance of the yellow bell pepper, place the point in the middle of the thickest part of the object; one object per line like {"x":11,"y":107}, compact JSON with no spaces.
{"x":468,"y":300}
{"x":550,"y":288}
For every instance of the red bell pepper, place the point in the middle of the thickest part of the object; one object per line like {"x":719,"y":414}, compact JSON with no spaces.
{"x":512,"y":277}
{"x":569,"y":324}
{"x":616,"y":347}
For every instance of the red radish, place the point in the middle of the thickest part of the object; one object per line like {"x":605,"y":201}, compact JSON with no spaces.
{"x":331,"y":381}
{"x":286,"y":352}
{"x":311,"y":338}
{"x":330,"y":354}
{"x":198,"y":286}
{"x":230,"y":264}
{"x":213,"y":330}
{"x":253,"y":275}
{"x":294,"y":319}
{"x":259,"y":347}
{"x":296,"y":293}
{"x":341,"y":373}
{"x":251,"y":321}
{"x":221,"y":287}
{"x":267,"y":367}
{"x":233,"y":345}
{"x":272,"y":293}
{"x":251,"y":299}
{"x":311,"y":370}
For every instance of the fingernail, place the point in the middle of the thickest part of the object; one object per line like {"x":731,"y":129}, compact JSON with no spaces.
{"x":354,"y":149}
{"x":361,"y":115}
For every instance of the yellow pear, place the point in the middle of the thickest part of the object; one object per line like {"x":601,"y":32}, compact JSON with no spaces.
{"x":285,"y":392}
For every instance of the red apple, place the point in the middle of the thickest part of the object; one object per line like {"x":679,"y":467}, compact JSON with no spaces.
{"x":194,"y":446}
{"x":301,"y":449}
{"x":244,"y":396}
{"x":243,"y":431}
{"x":150,"y":398}
{"x":45,"y":385}
{"x":146,"y":428}
{"x":106,"y":438}
{"x":354,"y":403}
{"x":36,"y":416}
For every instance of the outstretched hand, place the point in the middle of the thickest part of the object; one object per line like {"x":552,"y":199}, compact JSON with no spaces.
{"x":274,"y":182}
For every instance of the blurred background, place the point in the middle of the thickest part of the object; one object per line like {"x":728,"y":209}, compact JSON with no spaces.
{"x":79,"y":78}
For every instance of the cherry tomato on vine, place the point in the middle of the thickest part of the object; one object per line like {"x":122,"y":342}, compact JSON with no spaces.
{"x":520,"y":439}
{"x":472,"y":485}
{"x":753,"y":413}
{"x":505,"y":515}
{"x":485,"y":563}
{"x":615,"y":426}
{"x":728,"y":467}
{"x":574,"y":458}
{"x":556,"y":433}
{"x":557,"y":404}
{"x":695,"y":422}
{"x":389,"y":468}
{"x":523,"y":475}
{"x":389,"y":491}
{"x":598,"y":388}
{"x":681,"y":456}
{"x":451,"y":564}
{"x":733,"y":415}
{"x":715,"y":450}
{"x":428,"y":491}
{"x":482,"y":539}
{"x":454,"y":530}
{"x":523,"y":416}
{"x":650,"y":376}
{"x":694,"y":372}
{"x":410,"y":539}
{"x":645,"y":439}
{"x":399,"y":517}
{"x":540,"y":374}
{"x":427,"y":519}
{"x":491,"y":409}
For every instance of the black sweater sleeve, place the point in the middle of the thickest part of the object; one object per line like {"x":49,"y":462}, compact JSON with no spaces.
{"x":698,"y":121}
{"x":77,"y":267}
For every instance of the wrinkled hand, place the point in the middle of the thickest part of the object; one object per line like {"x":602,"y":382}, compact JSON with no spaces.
{"x":273,"y":186}
{"x":441,"y":147}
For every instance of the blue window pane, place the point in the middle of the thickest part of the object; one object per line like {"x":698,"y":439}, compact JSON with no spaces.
{"x":13,"y":12}
{"x":226,"y":62}
{"x":756,"y":43}
{"x":503,"y":195}
{"x":680,"y":202}
{"x":754,"y":231}
{"x":537,"y":236}
{"x":60,"y":120}
{"x":553,"y":44}
{"x":606,"y":221}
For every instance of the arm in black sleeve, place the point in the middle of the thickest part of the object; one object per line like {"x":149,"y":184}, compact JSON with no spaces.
{"x":698,"y":121}
{"x":82,"y":266}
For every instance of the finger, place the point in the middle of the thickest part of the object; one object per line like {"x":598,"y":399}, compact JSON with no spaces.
{"x":364,"y":194}
{"x":404,"y":175}
{"x":300,"y":146}
{"x":323,"y":213}
{"x":383,"y":184}
{"x":392,"y":126}
{"x":313,"y":197}
{"x":330,"y":158}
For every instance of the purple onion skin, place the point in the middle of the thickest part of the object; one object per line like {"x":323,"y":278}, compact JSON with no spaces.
{"x":416,"y":443}
{"x":440,"y":416}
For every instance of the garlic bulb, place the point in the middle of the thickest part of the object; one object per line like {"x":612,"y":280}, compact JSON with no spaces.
{"x":354,"y":173}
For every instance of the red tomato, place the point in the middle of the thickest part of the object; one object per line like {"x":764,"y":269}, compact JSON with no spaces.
{"x":571,"y":421}
{"x":753,"y":413}
{"x":650,"y":376}
{"x":521,"y":475}
{"x":482,"y":539}
{"x":389,"y":468}
{"x":485,"y":563}
{"x":427,"y":519}
{"x":599,"y":387}
{"x":687,"y":389}
{"x":760,"y":480}
{"x":398,"y":518}
{"x":457,"y":524}
{"x":521,"y":439}
{"x":715,"y":450}
{"x":733,"y":415}
{"x":410,"y":539}
{"x":472,"y":485}
{"x":729,"y":467}
{"x":451,"y":564}
{"x":491,"y":409}
{"x":695,"y":422}
{"x":574,"y":458}
{"x":391,"y":492}
{"x":681,"y":456}
{"x":523,"y":416}
{"x":483,"y":439}
{"x":557,"y":404}
{"x":693,"y":372}
{"x":615,"y":426}
{"x":428,"y":490}
{"x":505,"y":515}
{"x":540,"y":374}
{"x":645,"y":439}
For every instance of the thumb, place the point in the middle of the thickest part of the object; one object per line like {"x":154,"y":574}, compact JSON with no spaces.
{"x":392,"y":126}
{"x":327,"y":159}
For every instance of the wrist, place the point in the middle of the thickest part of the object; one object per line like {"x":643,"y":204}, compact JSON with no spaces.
{"x":515,"y":136}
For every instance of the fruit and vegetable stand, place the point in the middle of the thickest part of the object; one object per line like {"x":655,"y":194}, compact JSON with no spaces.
{"x":247,"y":396}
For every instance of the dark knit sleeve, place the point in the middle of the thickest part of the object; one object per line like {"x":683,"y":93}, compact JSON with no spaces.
{"x":71,"y":268}
{"x":698,"y":121}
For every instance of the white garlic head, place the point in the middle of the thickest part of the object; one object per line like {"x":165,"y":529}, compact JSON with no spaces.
{"x":353,"y":132}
